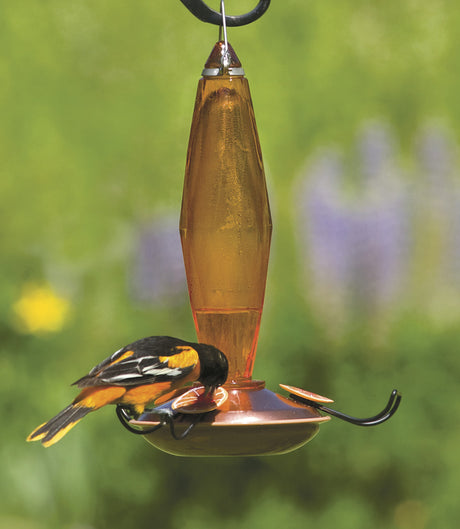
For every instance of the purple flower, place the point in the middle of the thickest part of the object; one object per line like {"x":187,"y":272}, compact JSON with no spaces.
{"x":354,"y":228}
{"x":326,"y":223}
{"x":375,"y":149}
{"x":436,"y":153}
{"x":437,"y":210}
{"x":157,"y":274}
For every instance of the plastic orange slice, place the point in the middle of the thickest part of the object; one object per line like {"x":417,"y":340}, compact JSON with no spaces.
{"x":305,"y":394}
{"x":195,"y":401}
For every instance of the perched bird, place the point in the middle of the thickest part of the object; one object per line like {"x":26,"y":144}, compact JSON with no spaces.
{"x":136,"y":376}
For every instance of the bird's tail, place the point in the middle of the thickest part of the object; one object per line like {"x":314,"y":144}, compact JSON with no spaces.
{"x":55,"y":429}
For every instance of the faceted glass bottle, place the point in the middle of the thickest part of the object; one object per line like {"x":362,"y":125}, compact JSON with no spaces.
{"x":225,"y":222}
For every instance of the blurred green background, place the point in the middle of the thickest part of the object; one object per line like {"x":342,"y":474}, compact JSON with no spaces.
{"x":359,"y":121}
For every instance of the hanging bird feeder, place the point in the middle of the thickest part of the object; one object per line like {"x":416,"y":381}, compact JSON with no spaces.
{"x":225,"y":228}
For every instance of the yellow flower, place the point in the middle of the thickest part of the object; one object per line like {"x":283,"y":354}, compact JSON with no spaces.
{"x":39,"y":310}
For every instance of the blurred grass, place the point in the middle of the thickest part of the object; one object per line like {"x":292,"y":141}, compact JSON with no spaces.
{"x":96,"y":100}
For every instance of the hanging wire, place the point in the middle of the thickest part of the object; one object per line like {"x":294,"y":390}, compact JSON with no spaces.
{"x":226,"y":59}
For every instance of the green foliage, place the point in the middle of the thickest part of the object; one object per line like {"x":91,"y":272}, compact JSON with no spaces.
{"x":96,"y":101}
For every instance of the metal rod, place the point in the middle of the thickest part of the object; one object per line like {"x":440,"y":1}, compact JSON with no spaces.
{"x":384,"y":415}
{"x":224,"y":26}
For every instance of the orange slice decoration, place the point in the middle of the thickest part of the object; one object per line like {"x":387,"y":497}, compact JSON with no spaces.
{"x":305,"y":394}
{"x":195,"y":401}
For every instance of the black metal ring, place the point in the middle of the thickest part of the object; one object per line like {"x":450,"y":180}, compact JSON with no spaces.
{"x":189,"y":428}
{"x":124,"y":418}
{"x":206,"y":14}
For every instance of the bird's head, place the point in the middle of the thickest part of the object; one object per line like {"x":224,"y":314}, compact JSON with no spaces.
{"x":214,"y":365}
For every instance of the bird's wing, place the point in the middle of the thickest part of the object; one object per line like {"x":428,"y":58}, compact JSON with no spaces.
{"x":137,"y":366}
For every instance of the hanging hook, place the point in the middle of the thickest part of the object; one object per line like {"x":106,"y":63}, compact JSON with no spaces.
{"x":384,"y":415}
{"x":206,"y":14}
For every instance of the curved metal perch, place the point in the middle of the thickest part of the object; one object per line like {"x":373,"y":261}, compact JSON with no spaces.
{"x":384,"y":415}
{"x":165,"y":418}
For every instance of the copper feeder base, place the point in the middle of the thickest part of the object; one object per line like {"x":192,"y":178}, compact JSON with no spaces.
{"x":253,"y":421}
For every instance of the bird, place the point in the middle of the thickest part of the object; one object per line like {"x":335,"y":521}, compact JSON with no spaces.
{"x":143,"y":373}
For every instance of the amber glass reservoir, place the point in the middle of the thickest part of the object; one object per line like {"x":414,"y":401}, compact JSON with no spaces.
{"x":225,"y":222}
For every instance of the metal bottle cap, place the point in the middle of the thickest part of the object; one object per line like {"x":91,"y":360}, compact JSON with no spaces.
{"x":222,"y":62}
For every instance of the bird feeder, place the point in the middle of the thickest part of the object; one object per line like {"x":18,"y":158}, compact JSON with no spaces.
{"x":226,"y":228}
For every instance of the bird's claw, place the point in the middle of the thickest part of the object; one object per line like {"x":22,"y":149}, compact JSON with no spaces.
{"x":166,"y":416}
{"x":194,"y":404}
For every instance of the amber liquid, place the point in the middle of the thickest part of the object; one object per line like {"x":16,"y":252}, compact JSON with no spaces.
{"x":233,"y":331}
{"x":225,"y":222}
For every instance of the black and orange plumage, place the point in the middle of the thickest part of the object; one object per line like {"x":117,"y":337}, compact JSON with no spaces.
{"x":137,"y":376}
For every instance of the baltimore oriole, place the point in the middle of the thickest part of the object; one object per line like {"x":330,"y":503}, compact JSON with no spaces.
{"x":136,"y":376}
